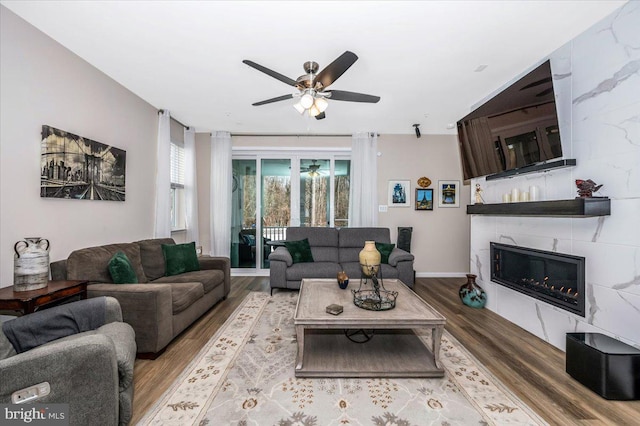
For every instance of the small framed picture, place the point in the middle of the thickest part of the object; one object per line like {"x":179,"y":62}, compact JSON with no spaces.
{"x":424,"y":199}
{"x":448,"y":193}
{"x":399,"y":195}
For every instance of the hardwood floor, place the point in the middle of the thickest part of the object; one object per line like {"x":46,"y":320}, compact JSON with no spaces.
{"x":153,"y":377}
{"x":530,"y":367}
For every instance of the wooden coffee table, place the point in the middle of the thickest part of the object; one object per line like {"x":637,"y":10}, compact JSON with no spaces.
{"x":395,"y":349}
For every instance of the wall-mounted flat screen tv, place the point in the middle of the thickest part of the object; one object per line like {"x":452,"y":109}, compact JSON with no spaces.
{"x":516,"y":128}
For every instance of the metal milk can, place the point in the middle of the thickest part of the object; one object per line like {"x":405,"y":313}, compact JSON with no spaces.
{"x":31,"y":264}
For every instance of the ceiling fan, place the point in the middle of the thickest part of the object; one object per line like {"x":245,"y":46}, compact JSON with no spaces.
{"x":312,"y":86}
{"x":312,"y":169}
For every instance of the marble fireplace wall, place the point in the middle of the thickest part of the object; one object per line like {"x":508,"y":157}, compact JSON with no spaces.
{"x":597,"y":87}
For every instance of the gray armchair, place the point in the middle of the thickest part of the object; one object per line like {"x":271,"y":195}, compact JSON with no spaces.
{"x":90,"y":370}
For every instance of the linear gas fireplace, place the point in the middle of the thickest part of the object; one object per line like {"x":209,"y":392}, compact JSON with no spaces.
{"x":555,"y":278}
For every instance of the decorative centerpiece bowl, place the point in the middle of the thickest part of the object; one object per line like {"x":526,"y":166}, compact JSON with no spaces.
{"x":376,"y":298}
{"x":375,"y":301}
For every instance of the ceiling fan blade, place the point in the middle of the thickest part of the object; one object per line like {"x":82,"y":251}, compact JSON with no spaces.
{"x":271,"y":73}
{"x":320,"y":116}
{"x":335,"y":69}
{"x":341,"y":95}
{"x":268,"y":101}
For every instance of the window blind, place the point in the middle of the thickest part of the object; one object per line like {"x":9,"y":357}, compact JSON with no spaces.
{"x":177,"y":166}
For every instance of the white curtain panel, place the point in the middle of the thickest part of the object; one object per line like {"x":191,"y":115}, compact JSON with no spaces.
{"x":190,"y":186}
{"x":162,"y":226}
{"x":221,"y":187}
{"x":363,"y":196}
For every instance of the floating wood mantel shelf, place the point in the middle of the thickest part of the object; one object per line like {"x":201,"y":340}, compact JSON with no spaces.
{"x":578,"y":207}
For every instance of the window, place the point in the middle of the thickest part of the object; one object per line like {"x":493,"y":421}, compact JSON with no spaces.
{"x":177,"y":187}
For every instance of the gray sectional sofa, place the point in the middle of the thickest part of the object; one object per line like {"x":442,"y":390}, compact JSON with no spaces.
{"x":335,"y":250}
{"x":159,"y":307}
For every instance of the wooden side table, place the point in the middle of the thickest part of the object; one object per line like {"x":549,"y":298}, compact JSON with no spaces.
{"x":26,"y":302}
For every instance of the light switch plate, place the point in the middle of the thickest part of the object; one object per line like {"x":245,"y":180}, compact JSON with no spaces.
{"x":382,"y":208}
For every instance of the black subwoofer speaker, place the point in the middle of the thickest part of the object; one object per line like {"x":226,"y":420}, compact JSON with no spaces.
{"x":607,"y":366}
{"x":404,"y":238}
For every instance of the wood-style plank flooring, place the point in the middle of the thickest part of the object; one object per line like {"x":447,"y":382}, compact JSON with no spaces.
{"x":530,"y":367}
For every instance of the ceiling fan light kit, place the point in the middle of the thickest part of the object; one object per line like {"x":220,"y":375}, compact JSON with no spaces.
{"x":298,"y":106}
{"x":311,"y":102}
{"x":314,"y":111}
{"x":306,"y":100}
{"x":312,"y":85}
{"x":321,"y":104}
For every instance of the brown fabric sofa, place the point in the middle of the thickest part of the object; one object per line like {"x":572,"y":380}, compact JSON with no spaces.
{"x":159,"y":307}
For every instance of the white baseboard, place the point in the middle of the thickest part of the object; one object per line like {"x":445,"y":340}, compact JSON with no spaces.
{"x":441,"y":274}
{"x":248,"y":272}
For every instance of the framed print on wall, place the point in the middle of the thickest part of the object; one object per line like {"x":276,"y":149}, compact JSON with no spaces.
{"x":399,"y":195}
{"x":424,"y":199}
{"x":78,"y":168}
{"x":448,"y":193}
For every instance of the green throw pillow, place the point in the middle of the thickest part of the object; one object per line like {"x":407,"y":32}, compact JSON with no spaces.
{"x":179,"y":258}
{"x":385,"y":250}
{"x":300,"y":250}
{"x":121,"y":269}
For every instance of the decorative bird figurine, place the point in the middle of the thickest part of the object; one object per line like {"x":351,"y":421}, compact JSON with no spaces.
{"x":586,"y":188}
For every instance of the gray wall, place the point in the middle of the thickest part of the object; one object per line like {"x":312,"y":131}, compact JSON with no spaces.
{"x":440,"y":237}
{"x":44,"y":83}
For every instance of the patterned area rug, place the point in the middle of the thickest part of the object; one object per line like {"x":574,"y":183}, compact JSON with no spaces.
{"x":245,"y":376}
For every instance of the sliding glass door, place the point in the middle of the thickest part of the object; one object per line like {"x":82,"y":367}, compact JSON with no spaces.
{"x":243,"y":214}
{"x":273,"y":192}
{"x":275,"y":203}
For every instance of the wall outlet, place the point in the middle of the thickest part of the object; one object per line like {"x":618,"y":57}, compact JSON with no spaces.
{"x":382,"y":208}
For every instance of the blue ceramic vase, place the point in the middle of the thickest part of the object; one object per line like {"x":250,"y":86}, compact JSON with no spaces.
{"x":472,"y":294}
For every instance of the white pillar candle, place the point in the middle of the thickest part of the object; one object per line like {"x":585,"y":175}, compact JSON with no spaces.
{"x":515,"y":195}
{"x":506,"y":198}
{"x":534,"y":193}
{"x":524,"y":196}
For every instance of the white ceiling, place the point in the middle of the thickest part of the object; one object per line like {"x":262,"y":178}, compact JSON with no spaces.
{"x":418,"y":56}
